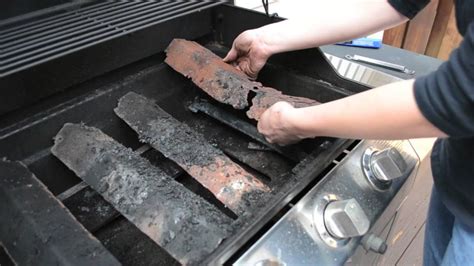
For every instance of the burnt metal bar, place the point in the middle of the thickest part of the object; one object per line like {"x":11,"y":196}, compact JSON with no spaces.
{"x":266,"y":97}
{"x":269,"y":164}
{"x":244,"y":127}
{"x":185,"y":225}
{"x":224,"y":82}
{"x":230,"y":183}
{"x":83,"y":185}
{"x":131,"y":246}
{"x":37,"y":229}
{"x":91,"y":210}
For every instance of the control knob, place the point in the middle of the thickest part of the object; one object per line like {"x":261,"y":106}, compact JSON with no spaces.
{"x":345,"y":219}
{"x":381,"y":167}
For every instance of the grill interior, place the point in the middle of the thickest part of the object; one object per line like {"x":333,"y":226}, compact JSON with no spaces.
{"x":26,"y":134}
{"x":173,"y":93}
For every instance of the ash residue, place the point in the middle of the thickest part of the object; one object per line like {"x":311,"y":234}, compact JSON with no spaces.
{"x":261,"y":202}
{"x":257,"y":199}
{"x":172,"y":138}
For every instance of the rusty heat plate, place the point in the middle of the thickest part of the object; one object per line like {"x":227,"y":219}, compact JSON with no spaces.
{"x":37,"y":229}
{"x":230,"y":183}
{"x":185,"y":225}
{"x":224,"y":82}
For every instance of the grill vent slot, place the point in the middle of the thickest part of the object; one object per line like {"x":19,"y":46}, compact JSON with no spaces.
{"x":42,"y":40}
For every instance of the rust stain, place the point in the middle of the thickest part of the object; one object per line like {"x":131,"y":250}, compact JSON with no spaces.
{"x":224,"y":82}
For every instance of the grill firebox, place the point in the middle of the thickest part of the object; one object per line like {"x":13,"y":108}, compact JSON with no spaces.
{"x":131,"y":59}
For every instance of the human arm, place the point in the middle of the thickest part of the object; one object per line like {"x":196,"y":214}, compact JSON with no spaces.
{"x":387,"y":112}
{"x":329,"y":23}
{"x":436,"y":105}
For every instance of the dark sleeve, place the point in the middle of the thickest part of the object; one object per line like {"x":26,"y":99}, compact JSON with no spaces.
{"x":446,"y":96}
{"x":408,"y":8}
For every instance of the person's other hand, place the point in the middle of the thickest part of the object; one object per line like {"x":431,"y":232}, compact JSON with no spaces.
{"x":277,"y":124}
{"x":248,"y":53}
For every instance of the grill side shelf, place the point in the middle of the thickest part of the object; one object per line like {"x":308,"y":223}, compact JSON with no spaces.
{"x":37,"y":229}
{"x":185,"y":225}
{"x":239,"y":190}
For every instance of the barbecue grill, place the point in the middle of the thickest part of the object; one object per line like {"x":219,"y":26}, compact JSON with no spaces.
{"x":66,"y":69}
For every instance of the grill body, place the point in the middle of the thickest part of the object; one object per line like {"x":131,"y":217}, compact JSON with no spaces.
{"x":81,"y":82}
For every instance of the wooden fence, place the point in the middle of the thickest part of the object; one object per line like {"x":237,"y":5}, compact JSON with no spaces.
{"x":432,"y":32}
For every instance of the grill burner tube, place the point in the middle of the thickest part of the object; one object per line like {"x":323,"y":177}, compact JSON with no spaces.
{"x":163,"y":209}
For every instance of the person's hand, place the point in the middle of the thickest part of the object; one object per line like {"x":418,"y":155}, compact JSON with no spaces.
{"x":277,"y":124}
{"x":248,"y":53}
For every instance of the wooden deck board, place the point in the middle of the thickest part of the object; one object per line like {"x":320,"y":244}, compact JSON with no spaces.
{"x":409,"y":223}
{"x":413,"y":255}
{"x":404,"y":231}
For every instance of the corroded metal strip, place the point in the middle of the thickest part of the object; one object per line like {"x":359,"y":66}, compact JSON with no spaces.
{"x":230,"y":183}
{"x":88,"y":206}
{"x":221,"y":81}
{"x":37,"y":229}
{"x":265,"y":97}
{"x":185,"y":225}
{"x":224,"y":82}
